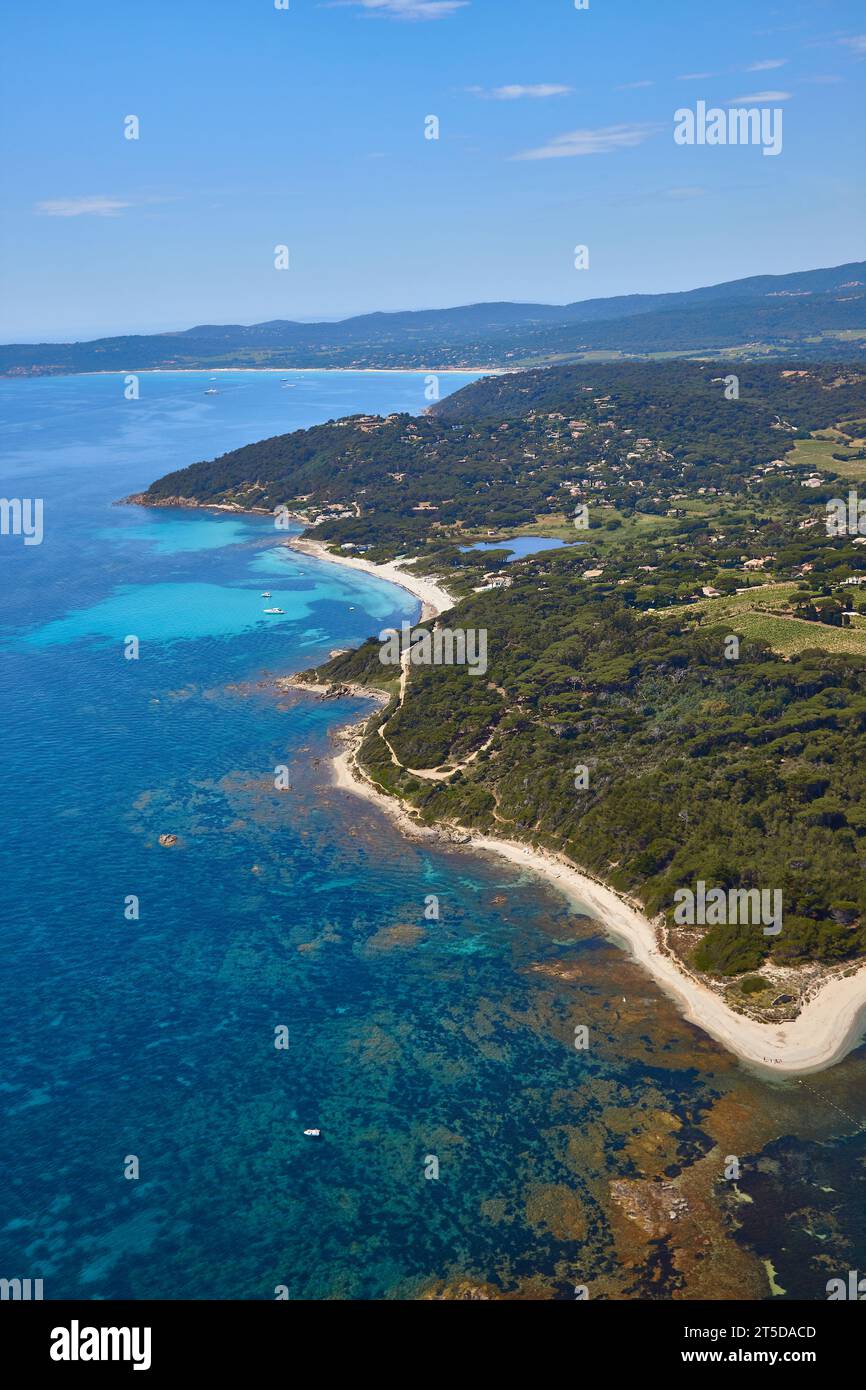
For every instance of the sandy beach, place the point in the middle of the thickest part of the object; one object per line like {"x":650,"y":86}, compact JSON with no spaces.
{"x":827,"y":1027}
{"x":435,"y":598}
{"x":302,"y":371}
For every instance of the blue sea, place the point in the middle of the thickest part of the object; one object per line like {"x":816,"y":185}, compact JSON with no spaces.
{"x":152,"y":1129}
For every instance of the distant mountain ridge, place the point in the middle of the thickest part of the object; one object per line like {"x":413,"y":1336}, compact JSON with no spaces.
{"x":779,"y":313}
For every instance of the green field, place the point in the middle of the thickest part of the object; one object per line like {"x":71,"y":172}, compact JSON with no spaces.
{"x":817,"y":453}
{"x":753,"y":613}
{"x":788,"y":636}
{"x":762,"y":596}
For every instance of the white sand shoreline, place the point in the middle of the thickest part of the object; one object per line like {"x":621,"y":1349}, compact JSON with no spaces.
{"x":435,"y":598}
{"x":829,"y":1025}
{"x":285,"y":371}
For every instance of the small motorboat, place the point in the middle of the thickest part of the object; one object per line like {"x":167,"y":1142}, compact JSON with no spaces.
{"x":273,"y":610}
{"x":313,"y":1133}
{"x":266,"y":594}
{"x":211,"y":391}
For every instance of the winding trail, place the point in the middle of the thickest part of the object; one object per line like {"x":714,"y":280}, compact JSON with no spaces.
{"x":831,"y":1021}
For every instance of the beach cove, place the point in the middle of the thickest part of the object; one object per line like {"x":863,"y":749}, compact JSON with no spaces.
{"x":305,"y":910}
{"x":828,"y":1026}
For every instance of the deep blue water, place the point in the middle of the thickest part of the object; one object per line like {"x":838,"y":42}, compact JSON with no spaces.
{"x":409,"y":1039}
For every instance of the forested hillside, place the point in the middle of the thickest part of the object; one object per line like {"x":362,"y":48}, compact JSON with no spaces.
{"x":778,"y":314}
{"x":742,"y":773}
{"x":615,"y":721}
{"x":509,"y":449}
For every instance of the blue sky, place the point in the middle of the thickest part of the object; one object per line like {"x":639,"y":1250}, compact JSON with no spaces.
{"x":305,"y":127}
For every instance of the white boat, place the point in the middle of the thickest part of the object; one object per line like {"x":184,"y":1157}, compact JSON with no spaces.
{"x":312,"y":1133}
{"x":273,"y":610}
{"x":266,"y":594}
{"x":211,"y":391}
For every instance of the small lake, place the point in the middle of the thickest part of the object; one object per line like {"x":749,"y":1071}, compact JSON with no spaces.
{"x":520,"y":547}
{"x":142,"y":983}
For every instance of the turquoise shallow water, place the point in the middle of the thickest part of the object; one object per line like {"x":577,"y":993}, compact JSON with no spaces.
{"x":174,"y":534}
{"x":409,"y":1038}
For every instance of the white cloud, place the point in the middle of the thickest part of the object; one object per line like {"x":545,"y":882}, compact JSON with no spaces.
{"x":633,"y":86}
{"x":695,"y":76}
{"x":97,"y":205}
{"x":580,"y":142}
{"x":857,"y":42}
{"x":754,"y":98}
{"x":766,"y":64}
{"x":404,"y":9}
{"x":515,"y":92}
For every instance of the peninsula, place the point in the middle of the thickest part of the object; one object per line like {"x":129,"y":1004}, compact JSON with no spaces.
{"x":676,"y":692}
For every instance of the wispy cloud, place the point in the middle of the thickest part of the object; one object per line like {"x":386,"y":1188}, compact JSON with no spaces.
{"x":753,"y":98}
{"x":580,"y":142}
{"x":516,"y":92}
{"x":633,"y":86}
{"x":695,"y":76}
{"x":403,"y":9}
{"x":766,"y":64}
{"x":96,"y":205}
{"x":857,"y":42}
